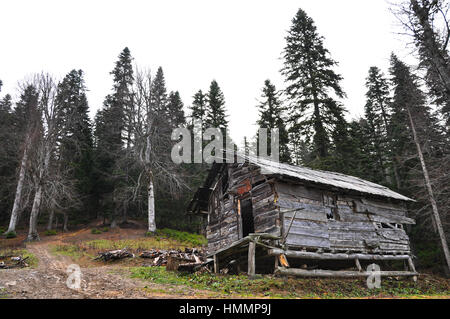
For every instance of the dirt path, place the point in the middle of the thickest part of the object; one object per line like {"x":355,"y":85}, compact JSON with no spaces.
{"x":48,"y":280}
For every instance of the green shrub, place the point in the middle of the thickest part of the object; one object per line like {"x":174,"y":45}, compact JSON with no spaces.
{"x":2,"y":230}
{"x":51,"y":232}
{"x":194,"y":239}
{"x":95,"y":231}
{"x":11,"y":234}
{"x":105,"y":229}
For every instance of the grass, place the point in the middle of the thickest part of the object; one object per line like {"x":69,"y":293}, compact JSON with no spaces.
{"x":32,"y":260}
{"x":275,"y":287}
{"x":184,"y":237}
{"x":162,"y":239}
{"x":11,"y":234}
{"x":51,"y":232}
{"x":73,"y":251}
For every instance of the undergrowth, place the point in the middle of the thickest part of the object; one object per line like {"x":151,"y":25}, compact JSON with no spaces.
{"x":276,"y":287}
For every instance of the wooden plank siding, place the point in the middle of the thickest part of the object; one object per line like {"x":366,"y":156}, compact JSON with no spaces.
{"x":326,"y":219}
{"x":341,"y":223}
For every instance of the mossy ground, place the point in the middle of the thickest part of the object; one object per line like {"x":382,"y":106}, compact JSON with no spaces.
{"x":279,"y":287}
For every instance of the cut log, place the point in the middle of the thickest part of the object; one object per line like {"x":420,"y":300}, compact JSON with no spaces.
{"x":330,"y":256}
{"x":114,"y":255}
{"x":173,"y":262}
{"x":340,"y":273}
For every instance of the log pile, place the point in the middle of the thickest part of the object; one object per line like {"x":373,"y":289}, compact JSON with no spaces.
{"x":114,"y":255}
{"x":13,"y":262}
{"x":175,"y":259}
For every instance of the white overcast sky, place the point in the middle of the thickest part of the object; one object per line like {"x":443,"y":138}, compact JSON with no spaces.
{"x":238,"y":43}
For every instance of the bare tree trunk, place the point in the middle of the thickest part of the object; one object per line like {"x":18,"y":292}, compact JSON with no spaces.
{"x":18,"y":199}
{"x":50,"y":219}
{"x":437,"y":218}
{"x":151,"y":204}
{"x":125,"y":211}
{"x":32,"y":232}
{"x":66,"y":220}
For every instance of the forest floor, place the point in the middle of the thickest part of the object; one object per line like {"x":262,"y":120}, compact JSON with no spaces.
{"x":133,"y":278}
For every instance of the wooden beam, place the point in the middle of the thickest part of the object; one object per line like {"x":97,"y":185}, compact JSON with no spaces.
{"x":251,"y":259}
{"x":340,"y":273}
{"x":216,"y":264}
{"x":330,"y":256}
{"x":358,"y":265}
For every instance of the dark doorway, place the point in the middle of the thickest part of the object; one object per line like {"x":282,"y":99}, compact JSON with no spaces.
{"x":248,"y":226}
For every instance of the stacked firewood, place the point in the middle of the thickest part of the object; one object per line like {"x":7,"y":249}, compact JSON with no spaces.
{"x":161,"y":257}
{"x":13,"y":262}
{"x":190,"y":260}
{"x":114,"y":255}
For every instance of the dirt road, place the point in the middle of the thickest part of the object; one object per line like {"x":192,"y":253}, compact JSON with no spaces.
{"x":49,"y":279}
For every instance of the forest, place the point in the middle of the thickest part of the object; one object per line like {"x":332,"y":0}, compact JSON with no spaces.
{"x":59,"y":168}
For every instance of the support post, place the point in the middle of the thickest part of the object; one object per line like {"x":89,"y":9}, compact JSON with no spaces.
{"x":358,"y":264}
{"x":251,"y":258}
{"x":216,"y":264}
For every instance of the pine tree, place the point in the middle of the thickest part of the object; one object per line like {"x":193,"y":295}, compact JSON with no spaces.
{"x":8,"y":156}
{"x":309,"y":74}
{"x":175,"y":112}
{"x":122,"y":98}
{"x":198,"y":108}
{"x":271,"y":117}
{"x":113,"y":133}
{"x":412,"y":113}
{"x":377,"y":115}
{"x":76,"y":142}
{"x":422,"y":18}
{"x":215,"y":112}
{"x":158,"y":97}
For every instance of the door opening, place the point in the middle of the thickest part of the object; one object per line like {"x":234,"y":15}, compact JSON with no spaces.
{"x":248,"y":226}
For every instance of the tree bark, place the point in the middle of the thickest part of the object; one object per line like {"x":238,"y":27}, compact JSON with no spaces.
{"x":50,"y":219}
{"x":151,"y":204}
{"x":18,"y":199}
{"x":429,"y":41}
{"x":66,"y":220}
{"x":437,"y":218}
{"x":32,"y":232}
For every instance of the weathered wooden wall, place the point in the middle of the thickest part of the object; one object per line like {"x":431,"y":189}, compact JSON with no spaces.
{"x":330,"y":220}
{"x":244,"y":182}
{"x":336,"y":222}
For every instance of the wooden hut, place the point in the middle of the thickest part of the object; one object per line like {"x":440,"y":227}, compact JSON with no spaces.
{"x":293,"y":220}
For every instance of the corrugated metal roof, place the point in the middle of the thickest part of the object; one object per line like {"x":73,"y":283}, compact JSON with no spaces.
{"x":322,"y":177}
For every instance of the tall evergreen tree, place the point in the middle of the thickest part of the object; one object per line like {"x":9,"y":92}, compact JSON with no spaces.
{"x":76,"y":135}
{"x":8,"y":156}
{"x":158,"y":97}
{"x":377,"y":115}
{"x":198,"y":108}
{"x":271,"y":117}
{"x":175,"y":112}
{"x":309,"y":74}
{"x":215,"y":112}
{"x":422,"y":19}
{"x":114,"y":138}
{"x":425,"y":144}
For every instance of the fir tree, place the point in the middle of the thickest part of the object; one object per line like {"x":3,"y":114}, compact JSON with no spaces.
{"x":159,"y":94}
{"x":309,"y":74}
{"x":198,"y":108}
{"x":215,"y":113}
{"x":271,"y":117}
{"x":377,"y":115}
{"x":76,"y":134}
{"x":175,"y":112}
